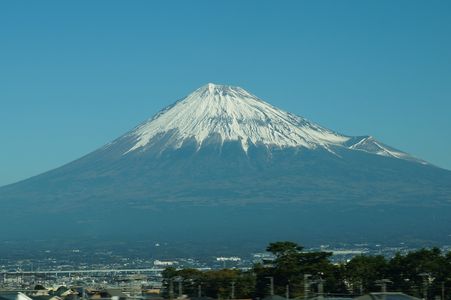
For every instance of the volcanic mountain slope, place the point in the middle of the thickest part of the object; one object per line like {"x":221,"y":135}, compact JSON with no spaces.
{"x":223,"y":156}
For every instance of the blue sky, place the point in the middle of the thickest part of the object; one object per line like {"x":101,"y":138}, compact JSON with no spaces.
{"x":76,"y":74}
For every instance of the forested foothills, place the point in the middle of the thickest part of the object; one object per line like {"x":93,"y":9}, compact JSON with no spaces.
{"x":424,"y":273}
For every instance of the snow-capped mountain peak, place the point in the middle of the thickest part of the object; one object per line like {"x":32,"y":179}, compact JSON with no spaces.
{"x":232,"y":114}
{"x":222,"y":113}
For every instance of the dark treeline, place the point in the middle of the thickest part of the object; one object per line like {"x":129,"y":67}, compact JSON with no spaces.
{"x":424,"y":273}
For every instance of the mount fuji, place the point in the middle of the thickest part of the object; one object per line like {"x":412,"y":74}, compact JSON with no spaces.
{"x":222,"y":164}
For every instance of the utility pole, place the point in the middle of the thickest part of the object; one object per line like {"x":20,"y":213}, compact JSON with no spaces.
{"x":271,"y":285}
{"x":233,"y":290}
{"x":443,"y":290}
{"x":180,"y":288}
{"x":287,"y":291}
{"x":383,"y":284}
{"x":171,"y":288}
{"x":321,"y":289}
{"x":199,"y":291}
{"x":425,"y":284}
{"x":306,"y":285}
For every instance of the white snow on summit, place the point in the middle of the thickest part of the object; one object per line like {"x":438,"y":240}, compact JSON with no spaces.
{"x":228,"y":113}
{"x":233,"y":114}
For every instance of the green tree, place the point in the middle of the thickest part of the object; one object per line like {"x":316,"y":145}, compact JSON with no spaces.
{"x":212,"y":283}
{"x":289,"y":267}
{"x":420,"y":272}
{"x":362,"y":272}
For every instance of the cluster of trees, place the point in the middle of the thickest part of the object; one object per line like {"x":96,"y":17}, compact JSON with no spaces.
{"x":424,"y":273}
